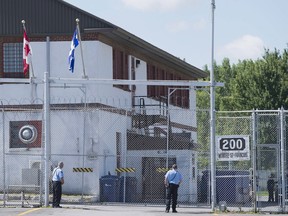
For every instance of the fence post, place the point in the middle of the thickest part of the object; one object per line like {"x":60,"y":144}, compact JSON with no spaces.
{"x":282,"y":159}
{"x":254,"y":141}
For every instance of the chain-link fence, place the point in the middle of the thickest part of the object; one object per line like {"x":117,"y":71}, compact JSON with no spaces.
{"x":22,"y":156}
{"x":122,"y":155}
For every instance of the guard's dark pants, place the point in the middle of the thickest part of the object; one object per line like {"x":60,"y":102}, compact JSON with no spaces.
{"x":171,"y":192}
{"x":271,"y":195}
{"x":57,"y":192}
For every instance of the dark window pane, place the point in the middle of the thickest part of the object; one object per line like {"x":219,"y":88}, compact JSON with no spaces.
{"x":13,"y":57}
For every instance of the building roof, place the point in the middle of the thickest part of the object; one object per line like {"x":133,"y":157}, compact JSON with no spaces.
{"x":57,"y":17}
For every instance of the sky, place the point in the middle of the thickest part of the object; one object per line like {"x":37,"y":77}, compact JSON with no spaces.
{"x":243,"y":29}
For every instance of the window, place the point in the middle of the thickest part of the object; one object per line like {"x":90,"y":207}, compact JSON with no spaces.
{"x":13,"y":60}
{"x":120,"y":67}
{"x":179,"y":98}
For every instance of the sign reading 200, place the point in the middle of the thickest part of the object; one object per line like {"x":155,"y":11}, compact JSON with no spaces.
{"x":232,"y":144}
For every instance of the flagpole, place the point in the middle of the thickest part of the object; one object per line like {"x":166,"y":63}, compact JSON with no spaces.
{"x":79,"y":36}
{"x":23,"y":22}
{"x":32,"y":71}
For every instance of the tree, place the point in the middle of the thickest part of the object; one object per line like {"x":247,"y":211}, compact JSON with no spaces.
{"x":260,"y":84}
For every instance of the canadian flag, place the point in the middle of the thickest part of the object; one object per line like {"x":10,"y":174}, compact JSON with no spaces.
{"x":27,"y":52}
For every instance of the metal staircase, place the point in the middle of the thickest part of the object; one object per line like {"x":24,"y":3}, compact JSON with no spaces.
{"x":142,"y":120}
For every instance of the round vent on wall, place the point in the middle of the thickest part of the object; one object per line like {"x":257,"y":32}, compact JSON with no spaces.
{"x":28,"y":134}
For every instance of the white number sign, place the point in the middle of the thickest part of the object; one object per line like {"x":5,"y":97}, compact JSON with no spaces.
{"x":232,"y":148}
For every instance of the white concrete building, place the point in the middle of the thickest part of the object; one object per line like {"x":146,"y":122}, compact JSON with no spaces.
{"x":96,"y":126}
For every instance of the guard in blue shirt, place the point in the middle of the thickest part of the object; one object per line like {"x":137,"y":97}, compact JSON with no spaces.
{"x":58,"y":181}
{"x":172,"y":181}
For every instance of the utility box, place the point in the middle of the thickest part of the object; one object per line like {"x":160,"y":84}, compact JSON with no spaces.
{"x":30,"y":176}
{"x":232,"y":186}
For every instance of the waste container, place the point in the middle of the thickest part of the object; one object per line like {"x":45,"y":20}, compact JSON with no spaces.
{"x":131,"y":184}
{"x":110,"y":188}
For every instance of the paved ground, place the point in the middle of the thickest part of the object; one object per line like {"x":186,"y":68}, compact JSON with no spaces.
{"x":101,"y":210}
{"x":112,"y":210}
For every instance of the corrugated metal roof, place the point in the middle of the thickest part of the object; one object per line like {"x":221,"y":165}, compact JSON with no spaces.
{"x":52,"y":17}
{"x":44,"y":16}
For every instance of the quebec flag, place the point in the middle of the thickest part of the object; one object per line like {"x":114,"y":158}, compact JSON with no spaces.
{"x":74,"y":44}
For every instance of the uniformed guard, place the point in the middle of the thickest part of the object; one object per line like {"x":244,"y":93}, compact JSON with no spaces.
{"x":58,"y":181}
{"x":173,"y":179}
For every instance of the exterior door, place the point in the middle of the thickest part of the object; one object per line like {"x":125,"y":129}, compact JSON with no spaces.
{"x":153,"y":188}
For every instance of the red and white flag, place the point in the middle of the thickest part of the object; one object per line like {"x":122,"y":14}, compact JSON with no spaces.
{"x":27,"y":52}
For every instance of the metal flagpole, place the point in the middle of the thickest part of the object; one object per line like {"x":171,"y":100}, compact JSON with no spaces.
{"x":212,"y":120}
{"x":85,"y":103}
{"x":79,"y":36}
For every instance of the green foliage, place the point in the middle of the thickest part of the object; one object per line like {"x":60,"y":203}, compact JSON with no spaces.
{"x":260,"y":84}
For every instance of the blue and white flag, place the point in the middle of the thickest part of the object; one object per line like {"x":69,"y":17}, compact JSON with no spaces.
{"x":74,"y":44}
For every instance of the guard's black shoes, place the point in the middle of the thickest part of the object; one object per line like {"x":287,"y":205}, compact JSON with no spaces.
{"x":167,"y":211}
{"x":174,"y":211}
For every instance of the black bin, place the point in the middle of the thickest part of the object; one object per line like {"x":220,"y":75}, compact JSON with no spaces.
{"x":110,"y":188}
{"x":131,"y":194}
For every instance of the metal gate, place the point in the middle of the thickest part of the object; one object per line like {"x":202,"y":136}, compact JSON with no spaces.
{"x":247,"y":183}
